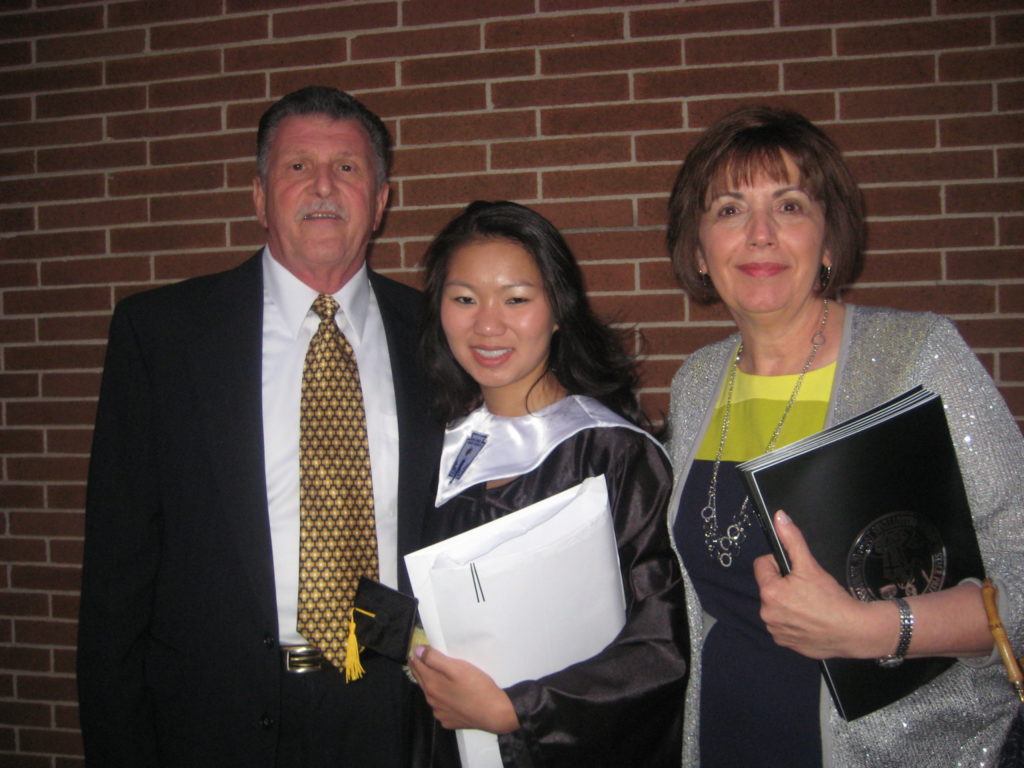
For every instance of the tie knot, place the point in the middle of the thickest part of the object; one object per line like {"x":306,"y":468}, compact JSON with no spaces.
{"x":325,"y":307}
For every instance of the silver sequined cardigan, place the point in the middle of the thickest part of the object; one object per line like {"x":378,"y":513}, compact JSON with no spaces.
{"x":958,"y":719}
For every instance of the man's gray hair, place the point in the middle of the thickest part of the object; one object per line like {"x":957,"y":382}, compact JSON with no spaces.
{"x":332,"y":104}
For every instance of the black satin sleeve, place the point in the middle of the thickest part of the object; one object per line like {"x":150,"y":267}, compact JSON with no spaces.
{"x":622,"y":707}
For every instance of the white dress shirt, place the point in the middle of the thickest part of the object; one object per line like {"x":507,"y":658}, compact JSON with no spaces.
{"x":288,"y":325}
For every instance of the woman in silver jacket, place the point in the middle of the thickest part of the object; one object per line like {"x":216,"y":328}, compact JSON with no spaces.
{"x":766,"y":217}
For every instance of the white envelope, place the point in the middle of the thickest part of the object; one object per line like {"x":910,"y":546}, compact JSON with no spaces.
{"x":525,"y":595}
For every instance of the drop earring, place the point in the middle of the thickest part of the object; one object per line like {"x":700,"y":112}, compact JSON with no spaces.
{"x":705,"y":279}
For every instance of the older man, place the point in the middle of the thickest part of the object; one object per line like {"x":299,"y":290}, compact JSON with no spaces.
{"x":206,"y":638}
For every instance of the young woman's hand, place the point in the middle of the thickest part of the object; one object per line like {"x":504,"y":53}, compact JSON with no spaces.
{"x":462,"y":695}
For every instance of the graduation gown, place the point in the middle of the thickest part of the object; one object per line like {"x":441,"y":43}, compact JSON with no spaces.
{"x":622,"y":706}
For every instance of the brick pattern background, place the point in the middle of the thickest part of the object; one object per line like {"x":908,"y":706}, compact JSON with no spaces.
{"x":126,"y":143}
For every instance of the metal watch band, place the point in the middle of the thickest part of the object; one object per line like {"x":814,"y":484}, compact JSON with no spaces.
{"x":906,"y":632}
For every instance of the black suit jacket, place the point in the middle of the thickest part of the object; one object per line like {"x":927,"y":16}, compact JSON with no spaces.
{"x":178,"y":660}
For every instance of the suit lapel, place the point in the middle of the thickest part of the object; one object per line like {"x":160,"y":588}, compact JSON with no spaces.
{"x":227,"y":369}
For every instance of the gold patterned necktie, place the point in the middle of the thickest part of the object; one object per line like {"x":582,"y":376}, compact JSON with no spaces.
{"x":337,"y":532}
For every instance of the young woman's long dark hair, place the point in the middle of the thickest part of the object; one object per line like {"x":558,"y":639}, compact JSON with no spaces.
{"x":587,"y":357}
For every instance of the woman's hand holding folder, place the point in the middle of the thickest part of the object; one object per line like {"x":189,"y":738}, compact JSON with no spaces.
{"x":809,"y":612}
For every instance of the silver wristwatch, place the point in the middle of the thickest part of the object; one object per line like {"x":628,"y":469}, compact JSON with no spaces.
{"x":895,"y":658}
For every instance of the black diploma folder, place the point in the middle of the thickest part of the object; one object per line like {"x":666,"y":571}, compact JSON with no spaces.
{"x":881,"y":503}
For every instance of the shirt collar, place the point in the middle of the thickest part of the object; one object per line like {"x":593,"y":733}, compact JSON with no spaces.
{"x":294,"y":298}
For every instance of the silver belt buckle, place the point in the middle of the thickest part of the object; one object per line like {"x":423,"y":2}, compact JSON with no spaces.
{"x":300,"y":659}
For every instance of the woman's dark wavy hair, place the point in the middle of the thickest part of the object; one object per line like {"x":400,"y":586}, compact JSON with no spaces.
{"x":587,"y":357}
{"x":749,"y":141}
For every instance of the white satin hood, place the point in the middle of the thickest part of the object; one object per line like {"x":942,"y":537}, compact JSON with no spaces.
{"x":513,"y":446}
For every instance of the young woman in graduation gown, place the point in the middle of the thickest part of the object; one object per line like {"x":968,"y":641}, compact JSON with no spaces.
{"x":517,"y":355}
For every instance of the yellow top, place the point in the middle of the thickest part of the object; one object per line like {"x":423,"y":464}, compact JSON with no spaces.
{"x":757,"y":405}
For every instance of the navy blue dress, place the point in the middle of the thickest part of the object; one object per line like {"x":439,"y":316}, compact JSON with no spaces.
{"x":759,"y":702}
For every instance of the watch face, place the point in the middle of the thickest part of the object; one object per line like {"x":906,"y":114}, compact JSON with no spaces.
{"x":890,"y":662}
{"x":897,"y":555}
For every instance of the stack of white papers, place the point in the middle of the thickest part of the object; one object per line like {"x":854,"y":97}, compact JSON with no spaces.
{"x":525,"y":595}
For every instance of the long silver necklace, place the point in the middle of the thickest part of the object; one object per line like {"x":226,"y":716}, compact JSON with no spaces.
{"x":723,"y":547}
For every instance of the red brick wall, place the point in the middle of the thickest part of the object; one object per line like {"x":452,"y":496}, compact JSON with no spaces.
{"x":126,"y":142}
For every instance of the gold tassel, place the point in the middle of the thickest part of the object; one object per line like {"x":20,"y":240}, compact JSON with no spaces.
{"x":353,"y":666}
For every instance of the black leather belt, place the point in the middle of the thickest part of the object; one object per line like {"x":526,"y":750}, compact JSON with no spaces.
{"x":300,"y":659}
